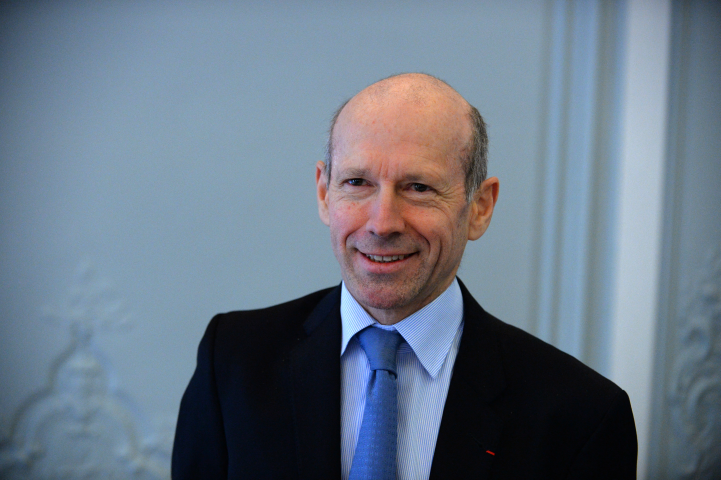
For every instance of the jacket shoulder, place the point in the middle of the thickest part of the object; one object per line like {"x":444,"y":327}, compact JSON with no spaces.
{"x":567,"y":415}
{"x":527,"y":363}
{"x":263,"y":334}
{"x":537,"y":362}
{"x":275,"y":323}
{"x":235,"y":412}
{"x":561,"y":419}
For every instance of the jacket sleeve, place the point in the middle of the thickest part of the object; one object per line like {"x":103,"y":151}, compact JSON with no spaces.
{"x":200,"y":450}
{"x":612,"y":450}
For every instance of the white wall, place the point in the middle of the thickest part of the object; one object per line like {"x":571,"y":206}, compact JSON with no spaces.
{"x":640,"y":211}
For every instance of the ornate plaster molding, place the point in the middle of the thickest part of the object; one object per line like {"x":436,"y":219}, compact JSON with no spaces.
{"x":81,"y":426}
{"x":694,"y":396}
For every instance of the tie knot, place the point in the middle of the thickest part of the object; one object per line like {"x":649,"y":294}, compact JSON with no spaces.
{"x":381,"y":347}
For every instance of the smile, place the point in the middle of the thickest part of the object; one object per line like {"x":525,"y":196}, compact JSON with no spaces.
{"x":385,"y":259}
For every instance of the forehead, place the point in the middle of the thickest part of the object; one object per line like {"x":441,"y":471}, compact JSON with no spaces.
{"x":429,"y":106}
{"x":388,"y":130}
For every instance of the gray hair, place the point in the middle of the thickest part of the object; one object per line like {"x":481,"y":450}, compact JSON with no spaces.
{"x":474,"y":156}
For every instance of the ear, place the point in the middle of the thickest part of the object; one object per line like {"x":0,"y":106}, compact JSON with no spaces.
{"x":482,"y":208}
{"x":321,"y":184}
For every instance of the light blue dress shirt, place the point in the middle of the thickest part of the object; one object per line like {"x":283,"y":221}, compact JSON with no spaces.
{"x":425,"y":366}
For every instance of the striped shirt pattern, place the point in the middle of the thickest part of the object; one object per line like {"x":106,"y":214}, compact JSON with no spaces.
{"x":425,"y":365}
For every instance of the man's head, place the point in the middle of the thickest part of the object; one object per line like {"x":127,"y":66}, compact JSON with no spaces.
{"x":474,"y":155}
{"x":399,"y":199}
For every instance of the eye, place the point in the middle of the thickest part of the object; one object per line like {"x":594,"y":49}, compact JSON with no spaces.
{"x":355,"y":182}
{"x":419,"y":187}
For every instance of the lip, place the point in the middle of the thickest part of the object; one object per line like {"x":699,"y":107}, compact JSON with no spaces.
{"x":384,"y":253}
{"x":384,"y":267}
{"x":374,"y":254}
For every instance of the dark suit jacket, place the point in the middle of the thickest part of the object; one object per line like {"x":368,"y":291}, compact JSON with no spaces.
{"x":264,"y":402}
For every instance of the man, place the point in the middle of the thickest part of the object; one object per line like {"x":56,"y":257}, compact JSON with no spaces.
{"x":292,"y":391}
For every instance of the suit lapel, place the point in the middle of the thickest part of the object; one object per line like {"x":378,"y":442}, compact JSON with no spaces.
{"x":470,"y":429}
{"x":315,"y":383}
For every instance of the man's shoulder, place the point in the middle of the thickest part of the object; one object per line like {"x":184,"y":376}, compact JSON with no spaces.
{"x":526,"y":354}
{"x":283,"y":316}
{"x":552,"y":406}
{"x":271,"y":326}
{"x":546,"y":382}
{"x":297,"y":306}
{"x":528,"y":360}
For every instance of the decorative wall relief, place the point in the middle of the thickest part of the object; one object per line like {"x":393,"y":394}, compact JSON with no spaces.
{"x":81,"y":426}
{"x":694,"y":395}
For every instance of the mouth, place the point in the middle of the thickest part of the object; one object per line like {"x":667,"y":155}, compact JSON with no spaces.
{"x":386,"y":258}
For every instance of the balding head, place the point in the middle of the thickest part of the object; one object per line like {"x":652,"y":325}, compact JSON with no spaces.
{"x":435,"y":106}
{"x":402,"y":200}
{"x":415,"y":88}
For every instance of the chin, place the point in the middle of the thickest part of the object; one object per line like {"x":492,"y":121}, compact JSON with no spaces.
{"x":388,"y":298}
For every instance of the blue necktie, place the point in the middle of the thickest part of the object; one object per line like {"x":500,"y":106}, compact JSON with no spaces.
{"x":375,"y":453}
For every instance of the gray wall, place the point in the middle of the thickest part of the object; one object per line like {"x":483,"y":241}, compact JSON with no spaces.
{"x":157,"y":167}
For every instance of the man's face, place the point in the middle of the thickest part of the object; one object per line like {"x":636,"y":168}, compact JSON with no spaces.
{"x":396,"y":207}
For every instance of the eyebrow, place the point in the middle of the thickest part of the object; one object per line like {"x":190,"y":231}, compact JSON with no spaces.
{"x":414,"y":177}
{"x":353,"y":172}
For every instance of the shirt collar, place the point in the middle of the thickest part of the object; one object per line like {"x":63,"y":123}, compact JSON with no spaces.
{"x":429,"y":331}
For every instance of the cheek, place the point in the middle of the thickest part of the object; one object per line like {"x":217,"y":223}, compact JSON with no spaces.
{"x":344,"y":220}
{"x":444,"y":236}
{"x":437,"y":228}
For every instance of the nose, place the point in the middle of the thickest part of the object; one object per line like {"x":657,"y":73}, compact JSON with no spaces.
{"x":385,"y":217}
